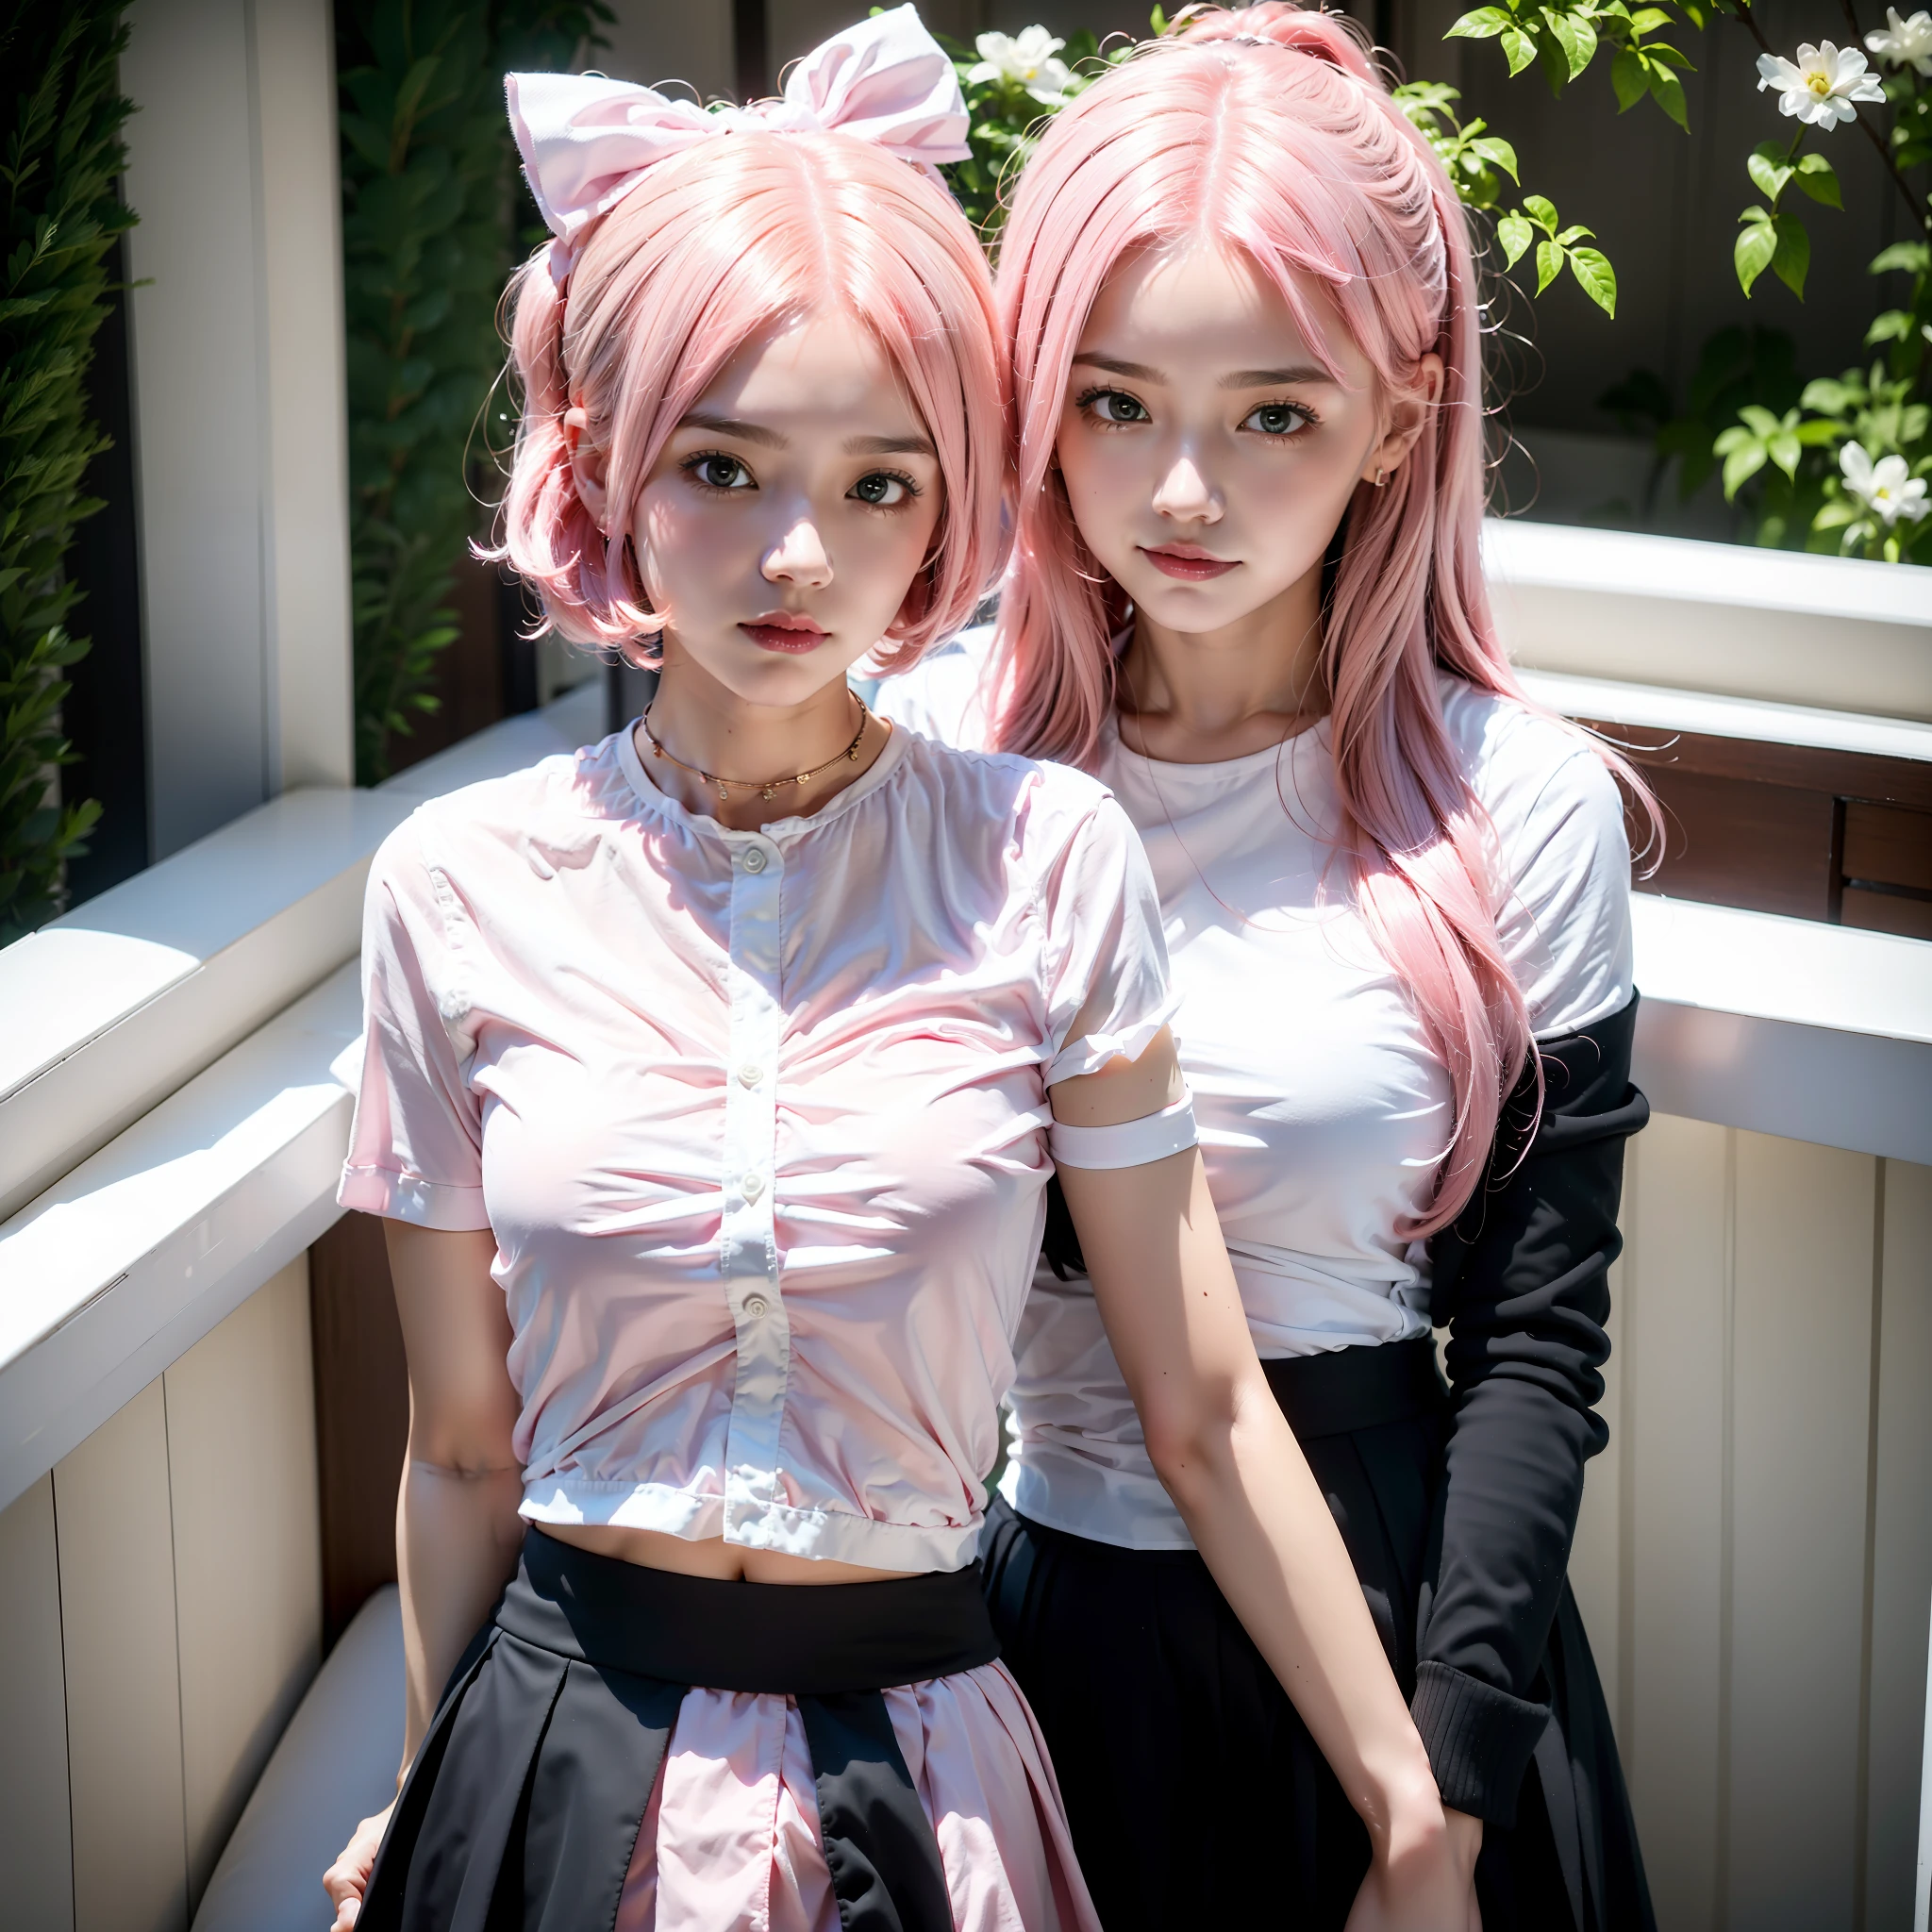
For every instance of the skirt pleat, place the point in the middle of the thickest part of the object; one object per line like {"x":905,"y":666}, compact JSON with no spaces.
{"x":560,"y":1789}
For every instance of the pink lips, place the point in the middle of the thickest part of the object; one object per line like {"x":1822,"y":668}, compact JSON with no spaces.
{"x":1188,"y":561}
{"x":785,"y":631}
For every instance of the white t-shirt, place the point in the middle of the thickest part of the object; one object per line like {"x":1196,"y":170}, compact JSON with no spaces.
{"x":1324,"y":1115}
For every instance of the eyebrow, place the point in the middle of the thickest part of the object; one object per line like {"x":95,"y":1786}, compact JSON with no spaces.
{"x":731,"y":426}
{"x":1241,"y":378}
{"x":891,"y":446}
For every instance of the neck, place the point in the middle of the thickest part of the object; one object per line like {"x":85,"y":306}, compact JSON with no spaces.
{"x":708,"y":726}
{"x":1199,"y":697}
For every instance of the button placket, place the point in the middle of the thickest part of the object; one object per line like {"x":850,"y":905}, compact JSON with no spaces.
{"x":749,"y":1250}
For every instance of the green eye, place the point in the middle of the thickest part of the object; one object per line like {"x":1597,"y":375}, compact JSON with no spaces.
{"x":1111,"y":405}
{"x":1275,"y":419}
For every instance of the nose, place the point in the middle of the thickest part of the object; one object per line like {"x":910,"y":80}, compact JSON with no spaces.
{"x":1185,"y":495}
{"x":798,"y":558}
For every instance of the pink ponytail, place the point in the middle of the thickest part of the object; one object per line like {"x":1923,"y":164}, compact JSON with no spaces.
{"x":1268,"y":131}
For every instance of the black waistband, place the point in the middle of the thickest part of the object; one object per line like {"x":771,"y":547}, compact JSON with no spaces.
{"x":786,"y":1640}
{"x":1357,"y":1388}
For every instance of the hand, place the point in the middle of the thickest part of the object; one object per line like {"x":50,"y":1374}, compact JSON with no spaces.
{"x":1421,"y":1877}
{"x":348,"y":1879}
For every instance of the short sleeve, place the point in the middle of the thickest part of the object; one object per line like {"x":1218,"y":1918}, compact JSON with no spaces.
{"x":415,"y":1151}
{"x":1108,"y":993}
{"x":1567,"y":928}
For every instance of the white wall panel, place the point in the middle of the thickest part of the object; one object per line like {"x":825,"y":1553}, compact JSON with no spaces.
{"x":1802,"y":1369}
{"x":36,"y":1849}
{"x":247,"y":1550}
{"x":1901,"y":1544}
{"x":123,"y":1699}
{"x":1675,"y":1295}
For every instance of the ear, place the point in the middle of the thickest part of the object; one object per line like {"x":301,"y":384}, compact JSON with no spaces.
{"x":589,"y":465}
{"x":1407,"y":415}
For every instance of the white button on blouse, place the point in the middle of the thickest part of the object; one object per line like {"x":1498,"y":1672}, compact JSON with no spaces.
{"x":756,"y":1119}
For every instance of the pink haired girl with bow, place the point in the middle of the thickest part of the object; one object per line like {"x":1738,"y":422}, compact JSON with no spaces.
{"x":713,"y":1079}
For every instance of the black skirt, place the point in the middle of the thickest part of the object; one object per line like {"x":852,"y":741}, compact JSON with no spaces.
{"x":1195,"y":1794}
{"x":520,"y":1812}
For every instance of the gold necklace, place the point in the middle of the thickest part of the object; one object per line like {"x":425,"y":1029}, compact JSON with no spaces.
{"x":766,"y":788}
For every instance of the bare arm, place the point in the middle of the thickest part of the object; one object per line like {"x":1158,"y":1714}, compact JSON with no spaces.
{"x":457,"y":1531}
{"x":1220,"y":1443}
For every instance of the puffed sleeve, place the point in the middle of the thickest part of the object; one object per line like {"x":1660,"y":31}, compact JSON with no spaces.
{"x":415,"y":1151}
{"x":1108,"y":993}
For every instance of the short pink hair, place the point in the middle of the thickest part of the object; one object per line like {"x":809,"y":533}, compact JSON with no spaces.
{"x":1268,"y":131}
{"x":710,"y":248}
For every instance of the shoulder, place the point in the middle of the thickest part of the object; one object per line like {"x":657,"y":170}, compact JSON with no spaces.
{"x":941,"y":697}
{"x":1531,"y":773}
{"x":475,"y":832}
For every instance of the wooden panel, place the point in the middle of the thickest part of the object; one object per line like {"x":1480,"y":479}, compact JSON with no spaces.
{"x":1675,"y":1318}
{"x":1902,"y":1545}
{"x":1887,"y":845}
{"x":1801,"y":1379}
{"x":1757,"y":761}
{"x":36,"y":1839}
{"x":1910,"y":919}
{"x":124,"y":1700}
{"x":247,"y":1552}
{"x":361,"y":1414}
{"x":1767,"y":848}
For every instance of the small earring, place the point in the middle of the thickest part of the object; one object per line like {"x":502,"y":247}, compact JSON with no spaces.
{"x":1381,"y":477}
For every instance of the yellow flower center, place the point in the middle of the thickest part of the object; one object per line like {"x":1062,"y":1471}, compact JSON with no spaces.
{"x":1819,"y":82}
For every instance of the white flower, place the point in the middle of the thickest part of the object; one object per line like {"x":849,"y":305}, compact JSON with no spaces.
{"x":1028,"y":57}
{"x":1908,"y":44}
{"x":1822,"y":85}
{"x":1883,"y":487}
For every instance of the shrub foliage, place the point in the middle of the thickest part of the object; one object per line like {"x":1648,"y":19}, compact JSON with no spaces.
{"x":61,"y":116}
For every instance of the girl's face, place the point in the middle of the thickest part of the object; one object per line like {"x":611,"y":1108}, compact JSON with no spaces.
{"x":787,"y":515}
{"x":1209,"y":456}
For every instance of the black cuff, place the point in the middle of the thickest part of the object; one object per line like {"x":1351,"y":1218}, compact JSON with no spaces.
{"x":1479,"y":1740}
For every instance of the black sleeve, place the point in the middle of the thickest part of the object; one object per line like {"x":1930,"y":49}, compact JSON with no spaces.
{"x":1522,"y":1282}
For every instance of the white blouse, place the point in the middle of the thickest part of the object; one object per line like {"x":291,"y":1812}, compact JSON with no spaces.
{"x":1322,"y":1112}
{"x":758,"y":1120}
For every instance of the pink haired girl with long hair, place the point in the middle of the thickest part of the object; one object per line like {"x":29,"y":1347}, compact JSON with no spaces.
{"x":713,"y":1079}
{"x":1246,"y":593}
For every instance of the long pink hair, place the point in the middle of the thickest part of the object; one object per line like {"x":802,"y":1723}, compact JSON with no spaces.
{"x":1268,"y":131}
{"x":735,"y":235}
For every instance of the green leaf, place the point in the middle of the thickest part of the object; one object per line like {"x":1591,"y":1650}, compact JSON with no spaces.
{"x":1515,"y":233}
{"x":1761,"y":421}
{"x":1793,"y":256}
{"x":1630,"y":79}
{"x":1785,"y":450}
{"x":1598,"y":279}
{"x":1549,"y":263}
{"x":1493,"y":148}
{"x":1647,"y":20}
{"x":1752,"y":253}
{"x":1574,"y":33}
{"x":1895,"y":326}
{"x":1903,"y":258}
{"x":1770,"y":168}
{"x":1667,"y":91}
{"x":1815,"y":176}
{"x":1541,"y":210}
{"x":1518,"y":49}
{"x":1739,"y":467}
{"x":1485,"y":23}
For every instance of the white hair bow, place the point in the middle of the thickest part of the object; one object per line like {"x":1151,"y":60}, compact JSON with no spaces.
{"x":585,"y":141}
